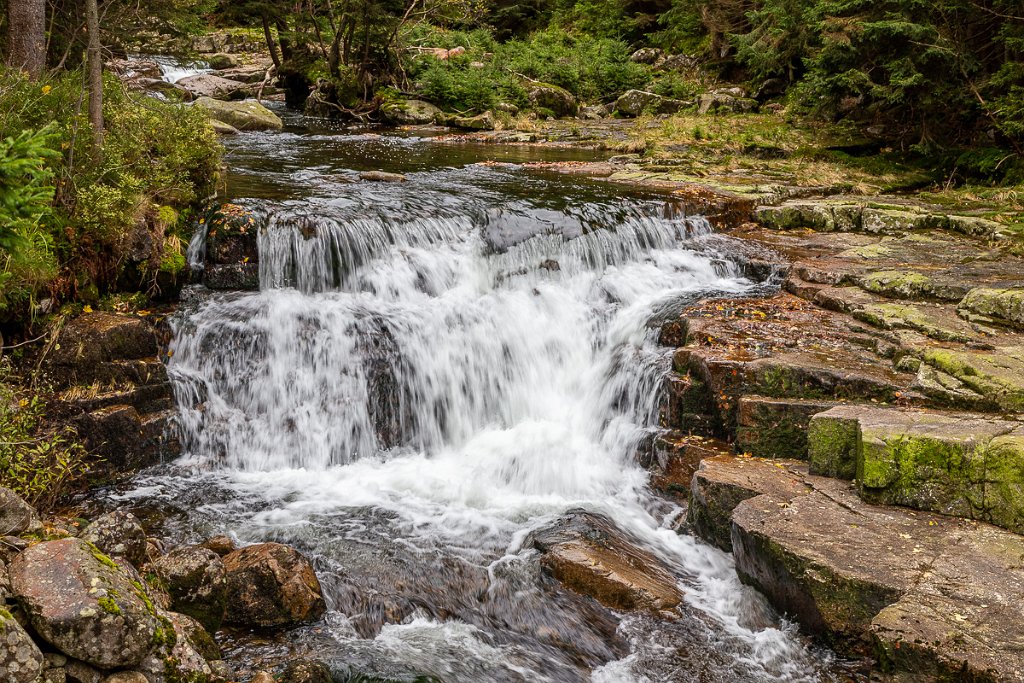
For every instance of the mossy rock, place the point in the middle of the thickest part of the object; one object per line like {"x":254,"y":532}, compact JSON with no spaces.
{"x":246,"y":115}
{"x":832,"y":438}
{"x":1005,"y":306}
{"x":996,"y":375}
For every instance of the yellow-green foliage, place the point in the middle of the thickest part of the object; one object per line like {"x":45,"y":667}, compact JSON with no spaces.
{"x":41,"y":466}
{"x":158,"y":162}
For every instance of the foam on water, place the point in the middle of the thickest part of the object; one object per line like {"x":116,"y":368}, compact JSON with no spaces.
{"x":472,"y":393}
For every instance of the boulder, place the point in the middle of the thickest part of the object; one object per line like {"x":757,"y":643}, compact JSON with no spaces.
{"x":175,"y":656}
{"x":216,"y":87}
{"x":647,"y":55}
{"x":221,"y":128}
{"x":636,"y":102}
{"x":20,"y":659}
{"x":222,"y":545}
{"x":730,"y":100}
{"x":556,"y":100}
{"x":245,"y":115}
{"x":16,"y":516}
{"x":678,"y":63}
{"x":270,"y":586}
{"x":587,"y":553}
{"x":84,"y":603}
{"x":126,"y":677}
{"x":119,"y":534}
{"x":223,"y":60}
{"x":195,"y":579}
{"x":483,"y":121}
{"x":408,"y":112}
{"x":996,"y":374}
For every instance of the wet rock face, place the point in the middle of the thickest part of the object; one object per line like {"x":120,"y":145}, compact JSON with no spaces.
{"x":20,"y":659}
{"x":16,"y":516}
{"x":587,"y":553}
{"x":83,"y":603}
{"x":118,"y":534}
{"x":271,"y":586}
{"x":91,"y":346}
{"x":195,"y":579}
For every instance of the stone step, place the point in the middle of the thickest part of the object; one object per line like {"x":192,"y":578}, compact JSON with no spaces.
{"x":675,"y":457}
{"x":958,"y":464}
{"x":923,"y":594}
{"x":770,"y":427}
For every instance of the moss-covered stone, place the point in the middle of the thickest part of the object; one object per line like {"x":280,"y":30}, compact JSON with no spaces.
{"x":934,"y":321}
{"x":1005,"y":306}
{"x":997,"y":375}
{"x":775,"y":428}
{"x":832,"y":438}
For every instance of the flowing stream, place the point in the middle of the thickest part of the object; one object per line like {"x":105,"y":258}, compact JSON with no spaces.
{"x":431,"y":370}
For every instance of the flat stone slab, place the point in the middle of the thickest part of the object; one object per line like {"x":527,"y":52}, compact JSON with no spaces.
{"x":953,"y":463}
{"x":923,"y":594}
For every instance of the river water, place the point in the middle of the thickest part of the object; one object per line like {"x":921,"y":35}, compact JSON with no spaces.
{"x":431,"y":370}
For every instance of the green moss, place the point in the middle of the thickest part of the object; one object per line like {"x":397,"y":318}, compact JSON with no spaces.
{"x":832,"y":446}
{"x":109,"y":605}
{"x":103,"y":559}
{"x":902,"y":284}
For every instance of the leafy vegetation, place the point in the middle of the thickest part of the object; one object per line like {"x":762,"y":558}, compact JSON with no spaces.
{"x":80,"y":224}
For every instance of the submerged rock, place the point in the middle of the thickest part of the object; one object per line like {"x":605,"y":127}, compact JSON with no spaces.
{"x":84,"y":603}
{"x":382,"y":177}
{"x":271,"y":586}
{"x":244,"y":115}
{"x":588,"y":554}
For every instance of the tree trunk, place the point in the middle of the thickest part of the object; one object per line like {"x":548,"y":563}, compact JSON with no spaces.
{"x":282,"y":38}
{"x":95,"y":59}
{"x":26,"y":36}
{"x":275,"y":56}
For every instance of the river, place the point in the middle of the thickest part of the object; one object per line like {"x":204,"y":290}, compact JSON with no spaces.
{"x":430,"y":371}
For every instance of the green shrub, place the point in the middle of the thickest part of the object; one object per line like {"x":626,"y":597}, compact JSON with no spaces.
{"x":41,"y":466}
{"x":160,"y":160}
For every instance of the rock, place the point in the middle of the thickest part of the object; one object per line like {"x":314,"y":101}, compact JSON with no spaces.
{"x":592,"y":113}
{"x":910,"y":284}
{"x":215,"y":87}
{"x":221,"y":128}
{"x":83,"y":603}
{"x":306,"y":672}
{"x":1003,"y":306}
{"x":175,"y":656}
{"x":998,"y":375}
{"x":587,"y":553}
{"x":558,"y":101}
{"x":678,"y":63}
{"x":676,"y":458}
{"x":382,"y":177}
{"x":483,"y":121}
{"x":223,"y":60}
{"x":197,"y":636}
{"x":90,"y":346}
{"x":895,"y":221}
{"x":721,"y":483}
{"x":772,"y":87}
{"x":725,"y":100}
{"x":774,"y":427}
{"x":245,"y":115}
{"x":119,"y":534}
{"x":262,"y":677}
{"x":271,"y":585}
{"x":646,"y":55}
{"x":20,"y":658}
{"x":638,"y":102}
{"x":222,"y":671}
{"x":249,"y":73}
{"x":237,"y":276}
{"x":832,"y":442}
{"x":161,"y":88}
{"x":16,"y":516}
{"x":80,"y":672}
{"x":126,"y":677}
{"x":409,"y":112}
{"x":222,"y":545}
{"x":130,"y":69}
{"x":195,"y":579}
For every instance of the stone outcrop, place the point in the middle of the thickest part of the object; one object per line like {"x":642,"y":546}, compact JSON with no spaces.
{"x":587,"y":553}
{"x":246,"y":115}
{"x":924,"y":594}
{"x":271,"y":586}
{"x":83,"y":603}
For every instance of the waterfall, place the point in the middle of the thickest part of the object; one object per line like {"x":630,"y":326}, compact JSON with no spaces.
{"x":442,"y":371}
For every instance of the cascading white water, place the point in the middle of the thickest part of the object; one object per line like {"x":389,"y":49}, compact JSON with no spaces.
{"x":471,"y":393}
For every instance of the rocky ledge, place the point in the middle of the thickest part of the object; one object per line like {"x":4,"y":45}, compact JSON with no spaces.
{"x":103,"y":603}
